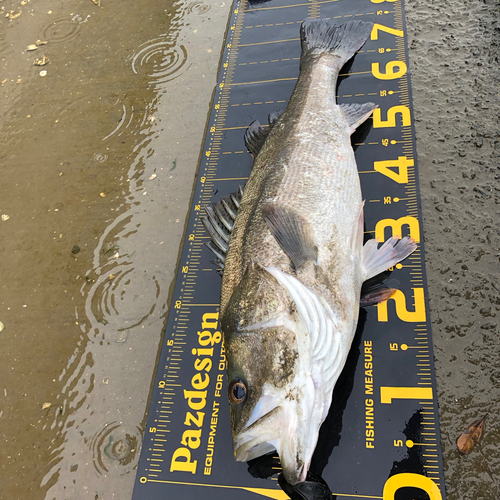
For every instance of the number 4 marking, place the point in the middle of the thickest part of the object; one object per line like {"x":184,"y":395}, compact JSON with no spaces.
{"x":402,"y":164}
{"x":381,"y":27}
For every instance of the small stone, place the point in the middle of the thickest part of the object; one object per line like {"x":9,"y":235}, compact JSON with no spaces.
{"x":488,"y":326}
{"x":75,"y":249}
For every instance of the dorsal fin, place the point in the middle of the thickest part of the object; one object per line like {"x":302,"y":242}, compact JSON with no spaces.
{"x":356,"y":114}
{"x":219,"y":223}
{"x":273,"y":118}
{"x":255,"y":137}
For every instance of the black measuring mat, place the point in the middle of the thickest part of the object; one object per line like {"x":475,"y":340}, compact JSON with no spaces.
{"x":381,"y":438}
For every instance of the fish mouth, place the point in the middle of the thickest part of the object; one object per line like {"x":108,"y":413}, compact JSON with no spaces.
{"x":258,"y":438}
{"x":268,"y":434}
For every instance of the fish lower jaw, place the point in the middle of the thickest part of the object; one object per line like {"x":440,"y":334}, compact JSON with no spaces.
{"x":254,"y":448}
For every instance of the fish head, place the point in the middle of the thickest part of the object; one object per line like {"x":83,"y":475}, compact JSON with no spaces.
{"x":274,"y":404}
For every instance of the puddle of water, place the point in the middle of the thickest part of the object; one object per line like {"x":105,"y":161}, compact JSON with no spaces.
{"x":98,"y":159}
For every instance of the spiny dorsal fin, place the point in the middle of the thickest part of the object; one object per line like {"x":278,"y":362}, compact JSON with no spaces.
{"x":356,"y":114}
{"x":273,"y":118}
{"x":219,"y":223}
{"x":293,"y":234}
{"x":255,"y":137}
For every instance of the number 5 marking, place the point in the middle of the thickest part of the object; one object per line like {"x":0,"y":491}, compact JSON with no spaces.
{"x":391,"y":117}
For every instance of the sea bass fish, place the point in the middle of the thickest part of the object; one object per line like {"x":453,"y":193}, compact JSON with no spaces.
{"x":291,"y":248}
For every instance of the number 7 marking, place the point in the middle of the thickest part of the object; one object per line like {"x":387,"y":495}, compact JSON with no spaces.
{"x":381,"y":27}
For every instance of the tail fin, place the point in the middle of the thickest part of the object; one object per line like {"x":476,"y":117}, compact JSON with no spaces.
{"x":322,"y":35}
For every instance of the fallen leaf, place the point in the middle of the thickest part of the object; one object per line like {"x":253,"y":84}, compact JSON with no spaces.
{"x":11,"y":14}
{"x":471,"y":436}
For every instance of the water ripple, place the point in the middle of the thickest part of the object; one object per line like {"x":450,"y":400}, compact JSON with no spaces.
{"x":64,"y":29}
{"x":198,"y":8}
{"x":115,"y":446}
{"x":132,"y":120}
{"x":162,"y":60}
{"x":122,"y":297}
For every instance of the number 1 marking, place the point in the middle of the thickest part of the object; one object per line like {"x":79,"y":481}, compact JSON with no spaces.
{"x":387,"y":394}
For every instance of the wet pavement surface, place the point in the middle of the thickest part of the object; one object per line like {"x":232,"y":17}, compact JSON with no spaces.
{"x":98,"y":159}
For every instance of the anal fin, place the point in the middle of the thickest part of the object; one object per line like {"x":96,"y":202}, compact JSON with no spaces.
{"x":293,"y":233}
{"x":394,"y":250}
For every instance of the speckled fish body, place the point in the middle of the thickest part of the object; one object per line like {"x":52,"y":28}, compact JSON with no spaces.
{"x":295,"y":263}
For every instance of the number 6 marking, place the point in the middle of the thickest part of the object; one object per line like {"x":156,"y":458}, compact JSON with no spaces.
{"x":390,"y":73}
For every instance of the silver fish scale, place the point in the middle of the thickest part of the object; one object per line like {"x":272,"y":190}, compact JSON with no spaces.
{"x":307,"y":164}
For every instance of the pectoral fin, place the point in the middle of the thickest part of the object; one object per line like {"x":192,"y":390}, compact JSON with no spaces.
{"x":293,"y":234}
{"x":394,"y":250}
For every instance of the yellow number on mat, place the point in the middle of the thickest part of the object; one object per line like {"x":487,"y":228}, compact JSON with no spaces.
{"x":381,"y":27}
{"x":391,"y":117}
{"x":403,"y":314}
{"x":390,"y":73}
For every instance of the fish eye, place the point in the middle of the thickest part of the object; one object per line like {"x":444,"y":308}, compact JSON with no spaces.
{"x":237,"y":391}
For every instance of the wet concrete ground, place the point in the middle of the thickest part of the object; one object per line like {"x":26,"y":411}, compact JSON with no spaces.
{"x":97,"y":162}
{"x":454,"y":50}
